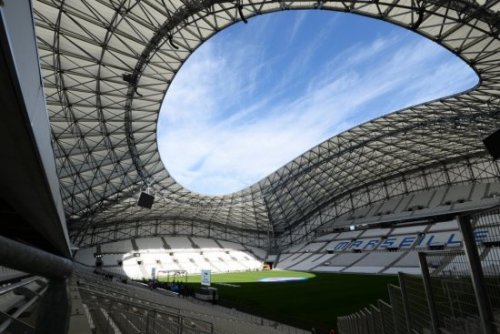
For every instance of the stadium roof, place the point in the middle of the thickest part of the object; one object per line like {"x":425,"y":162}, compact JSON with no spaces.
{"x":106,"y":67}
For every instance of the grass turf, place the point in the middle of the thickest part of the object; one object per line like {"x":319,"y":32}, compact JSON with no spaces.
{"x":315,"y":302}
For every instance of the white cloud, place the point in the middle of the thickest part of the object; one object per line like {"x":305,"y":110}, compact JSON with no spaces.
{"x":221,"y":130}
{"x":297,"y":23}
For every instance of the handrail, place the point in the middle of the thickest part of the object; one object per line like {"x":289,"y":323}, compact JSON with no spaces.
{"x":29,"y":259}
{"x":5,"y":325}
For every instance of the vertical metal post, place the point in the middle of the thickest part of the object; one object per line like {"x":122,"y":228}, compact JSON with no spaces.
{"x":362,"y":322}
{"x":483,"y":303}
{"x":380,"y":318}
{"x":426,"y":277}
{"x":369,"y":320}
{"x":392,"y":299}
{"x":404,"y":296}
{"x":359,"y":324}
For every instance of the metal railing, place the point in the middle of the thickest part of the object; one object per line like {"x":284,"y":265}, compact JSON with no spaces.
{"x":119,"y":309}
{"x":458,"y":291}
{"x":131,"y":292}
{"x":55,"y":303}
{"x":116,"y":315}
{"x":18,"y":299}
{"x":247,"y":317}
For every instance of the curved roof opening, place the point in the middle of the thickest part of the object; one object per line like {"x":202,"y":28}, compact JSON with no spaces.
{"x":255,"y":96}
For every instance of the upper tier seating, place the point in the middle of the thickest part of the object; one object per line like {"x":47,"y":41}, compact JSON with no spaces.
{"x":117,"y":247}
{"x":149,"y":243}
{"x":421,"y":204}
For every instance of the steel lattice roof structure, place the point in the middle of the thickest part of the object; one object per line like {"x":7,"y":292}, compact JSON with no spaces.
{"x":107,"y":65}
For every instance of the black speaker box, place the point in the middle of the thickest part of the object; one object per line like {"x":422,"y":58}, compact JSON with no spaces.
{"x":492,"y":143}
{"x":145,"y":200}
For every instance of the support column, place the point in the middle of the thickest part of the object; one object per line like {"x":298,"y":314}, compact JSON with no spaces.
{"x":483,"y":303}
{"x":426,"y":277}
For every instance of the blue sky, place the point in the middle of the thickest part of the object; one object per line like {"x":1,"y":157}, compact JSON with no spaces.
{"x":256,"y":96}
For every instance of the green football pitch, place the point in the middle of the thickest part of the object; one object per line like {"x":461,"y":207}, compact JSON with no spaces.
{"x":310,"y":300}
